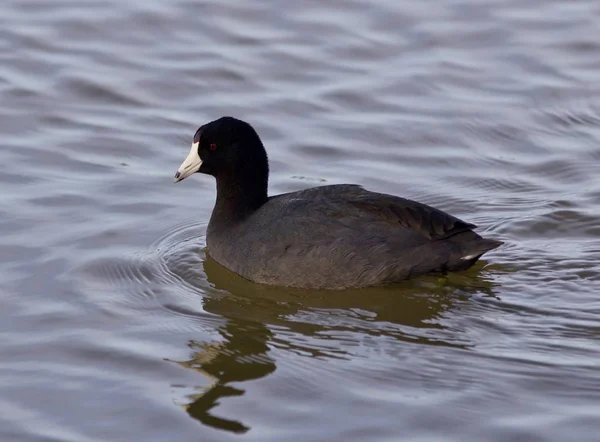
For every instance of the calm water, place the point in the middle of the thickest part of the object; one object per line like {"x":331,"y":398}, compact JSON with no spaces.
{"x":115,"y":327}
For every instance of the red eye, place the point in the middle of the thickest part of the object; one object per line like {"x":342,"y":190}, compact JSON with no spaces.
{"x":213,"y":147}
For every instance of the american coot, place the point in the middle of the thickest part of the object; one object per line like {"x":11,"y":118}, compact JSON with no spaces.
{"x":329,"y":237}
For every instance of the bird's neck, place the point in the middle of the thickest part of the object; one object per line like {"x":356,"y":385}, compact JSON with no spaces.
{"x":238,"y":197}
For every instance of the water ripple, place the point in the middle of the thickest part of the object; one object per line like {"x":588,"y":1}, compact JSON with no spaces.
{"x":110,"y":305}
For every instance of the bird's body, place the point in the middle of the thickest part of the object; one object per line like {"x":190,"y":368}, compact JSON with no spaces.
{"x":342,"y":236}
{"x":329,"y":237}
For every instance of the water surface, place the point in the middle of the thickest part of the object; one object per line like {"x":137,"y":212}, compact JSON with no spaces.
{"x":115,"y":326}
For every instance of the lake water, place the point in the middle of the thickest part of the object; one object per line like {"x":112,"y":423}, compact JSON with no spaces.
{"x":115,"y":327}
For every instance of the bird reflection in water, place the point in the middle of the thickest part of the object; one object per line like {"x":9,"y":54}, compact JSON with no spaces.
{"x":241,"y":357}
{"x":255,"y":315}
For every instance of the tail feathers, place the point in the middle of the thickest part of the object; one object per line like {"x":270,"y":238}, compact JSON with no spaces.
{"x":474,"y":251}
{"x":470,"y":251}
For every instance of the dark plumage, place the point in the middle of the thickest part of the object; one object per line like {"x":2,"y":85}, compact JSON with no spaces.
{"x":330,"y":237}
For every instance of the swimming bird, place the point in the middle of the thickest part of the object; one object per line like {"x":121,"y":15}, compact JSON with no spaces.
{"x":329,"y":237}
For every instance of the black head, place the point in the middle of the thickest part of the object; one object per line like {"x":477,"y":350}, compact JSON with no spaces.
{"x":230,"y":150}
{"x":226,"y":148}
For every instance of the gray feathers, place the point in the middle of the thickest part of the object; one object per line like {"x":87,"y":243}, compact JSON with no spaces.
{"x":343,"y":236}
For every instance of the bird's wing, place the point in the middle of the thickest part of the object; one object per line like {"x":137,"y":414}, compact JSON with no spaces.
{"x":425,"y":220}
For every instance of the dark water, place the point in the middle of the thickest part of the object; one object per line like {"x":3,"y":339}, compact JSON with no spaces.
{"x":114,"y":327}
